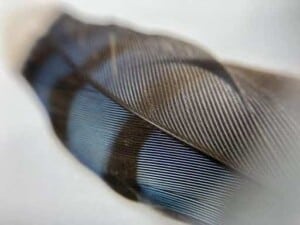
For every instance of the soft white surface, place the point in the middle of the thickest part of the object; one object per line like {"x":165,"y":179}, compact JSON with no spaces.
{"x":41,"y":183}
{"x":264,"y":33}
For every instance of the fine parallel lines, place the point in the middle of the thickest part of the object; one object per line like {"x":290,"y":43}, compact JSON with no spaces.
{"x":211,"y":191}
{"x":192,"y":130}
{"x":222,"y":120}
{"x":276,"y":133}
{"x":202,"y":212}
{"x":234,"y":124}
{"x":208,"y":182}
{"x":220,"y":130}
{"x":209,"y":100}
{"x":255,"y":134}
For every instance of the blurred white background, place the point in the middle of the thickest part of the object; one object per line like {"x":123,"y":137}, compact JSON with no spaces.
{"x":40,"y":182}
{"x":264,"y":33}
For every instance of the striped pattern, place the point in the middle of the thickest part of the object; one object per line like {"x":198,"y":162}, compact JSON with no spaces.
{"x":201,"y":105}
{"x":200,"y":108}
{"x":200,"y":187}
{"x":161,"y":120}
{"x":197,"y":190}
{"x":93,"y":125}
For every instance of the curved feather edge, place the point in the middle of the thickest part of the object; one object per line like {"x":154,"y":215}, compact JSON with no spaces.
{"x":190,"y":102}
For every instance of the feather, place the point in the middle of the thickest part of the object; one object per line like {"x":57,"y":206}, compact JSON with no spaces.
{"x":160,"y":119}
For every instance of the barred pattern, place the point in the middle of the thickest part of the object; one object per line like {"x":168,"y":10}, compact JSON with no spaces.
{"x":182,"y":90}
{"x":160,"y":119}
{"x":198,"y":189}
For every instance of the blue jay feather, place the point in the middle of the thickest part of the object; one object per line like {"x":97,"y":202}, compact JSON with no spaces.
{"x":160,"y":119}
{"x":145,"y":161}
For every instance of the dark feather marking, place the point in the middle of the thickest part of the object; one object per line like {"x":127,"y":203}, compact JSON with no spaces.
{"x":82,"y":72}
{"x":122,"y":172}
{"x":60,"y":103}
{"x":38,"y":55}
{"x":122,"y":166}
{"x":210,"y":65}
{"x":105,"y":92}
